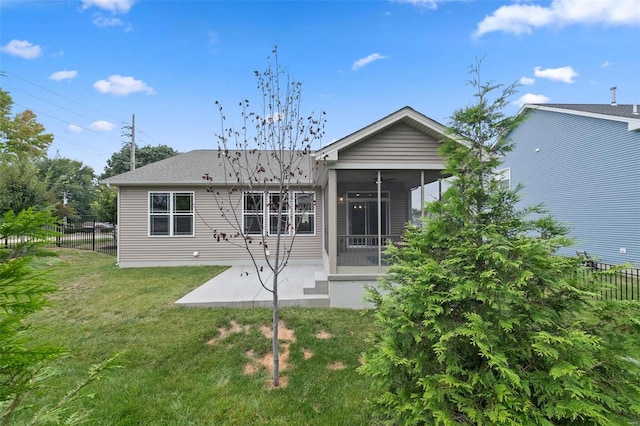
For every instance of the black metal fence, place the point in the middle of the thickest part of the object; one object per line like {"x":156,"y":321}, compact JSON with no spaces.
{"x":89,"y":235}
{"x":84,"y":235}
{"x":617,"y":285}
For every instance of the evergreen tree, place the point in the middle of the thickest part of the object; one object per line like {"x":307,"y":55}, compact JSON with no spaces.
{"x":23,"y":290}
{"x":481,"y":321}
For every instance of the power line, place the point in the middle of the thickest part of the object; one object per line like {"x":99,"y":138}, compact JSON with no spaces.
{"x":52,"y":103}
{"x":67,"y":122}
{"x":62,"y":96}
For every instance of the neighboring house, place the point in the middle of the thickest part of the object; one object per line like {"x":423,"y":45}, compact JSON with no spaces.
{"x":583,"y":163}
{"x":365,"y":191}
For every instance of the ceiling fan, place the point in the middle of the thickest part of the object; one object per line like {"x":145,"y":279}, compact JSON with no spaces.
{"x":384,"y":179}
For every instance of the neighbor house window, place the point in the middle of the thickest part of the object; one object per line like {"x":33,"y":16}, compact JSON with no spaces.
{"x":503,"y":176}
{"x":260,"y":208}
{"x":171,"y":214}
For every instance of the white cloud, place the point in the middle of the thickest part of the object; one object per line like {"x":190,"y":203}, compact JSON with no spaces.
{"x":104,"y":22}
{"x":530,"y":98}
{"x":115,"y":6}
{"x":63,"y":75}
{"x":523,"y":18}
{"x":366,"y":61}
{"x":120,"y":85}
{"x":429,"y":4}
{"x":606,"y":64}
{"x":74,"y":129}
{"x":527,"y":81}
{"x":101,"y":125}
{"x":22,"y":48}
{"x":564,"y":74}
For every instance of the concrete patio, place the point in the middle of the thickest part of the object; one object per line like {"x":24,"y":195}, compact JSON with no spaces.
{"x":298,"y":285}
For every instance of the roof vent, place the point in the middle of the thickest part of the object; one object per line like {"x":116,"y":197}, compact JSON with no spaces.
{"x":635,"y":109}
{"x":613,"y":96}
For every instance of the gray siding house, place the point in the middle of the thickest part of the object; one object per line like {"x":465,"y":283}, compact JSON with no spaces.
{"x":365,"y":188}
{"x":583,"y":163}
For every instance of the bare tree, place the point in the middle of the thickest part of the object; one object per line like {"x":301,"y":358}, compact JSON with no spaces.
{"x":269,"y":176}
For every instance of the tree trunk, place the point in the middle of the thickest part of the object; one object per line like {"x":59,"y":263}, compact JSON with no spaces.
{"x":276,"y":320}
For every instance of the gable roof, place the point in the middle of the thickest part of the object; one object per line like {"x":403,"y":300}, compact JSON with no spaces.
{"x":191,"y":167}
{"x":622,"y":113}
{"x":406,"y":115}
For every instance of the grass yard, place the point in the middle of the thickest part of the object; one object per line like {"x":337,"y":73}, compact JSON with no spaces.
{"x":190,"y":366}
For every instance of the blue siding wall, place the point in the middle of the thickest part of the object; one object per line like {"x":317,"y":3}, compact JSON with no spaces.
{"x":587,"y":175}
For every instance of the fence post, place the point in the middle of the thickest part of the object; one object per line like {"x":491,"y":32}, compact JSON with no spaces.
{"x":59,"y":236}
{"x":93,"y":236}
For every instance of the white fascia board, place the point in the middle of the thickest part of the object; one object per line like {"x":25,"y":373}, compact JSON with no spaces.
{"x":633,"y":123}
{"x":387,"y":166}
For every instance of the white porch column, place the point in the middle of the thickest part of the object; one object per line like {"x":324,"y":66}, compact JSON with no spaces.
{"x":379,"y":182}
{"x":332,"y":222}
{"x":421,"y":195}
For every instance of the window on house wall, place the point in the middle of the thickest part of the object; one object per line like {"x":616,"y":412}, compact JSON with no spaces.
{"x":304,"y":213}
{"x":301,"y":214}
{"x":503,"y":176}
{"x":278,"y":204}
{"x":253,"y":212}
{"x":171,"y":214}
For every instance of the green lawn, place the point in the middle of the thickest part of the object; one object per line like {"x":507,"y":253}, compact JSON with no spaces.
{"x":173,"y":373}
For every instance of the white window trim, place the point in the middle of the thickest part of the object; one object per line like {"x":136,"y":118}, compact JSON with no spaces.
{"x":312,"y":212}
{"x":245,"y":213}
{"x":290,"y":213}
{"x":171,"y":214}
{"x":504,"y":175}
{"x":269,"y":214}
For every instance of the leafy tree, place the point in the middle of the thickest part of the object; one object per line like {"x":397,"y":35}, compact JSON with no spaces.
{"x":106,"y":204}
{"x":70,"y":183}
{"x":481,"y":322}
{"x":265,"y":161}
{"x":120,"y":162}
{"x":21,"y":134}
{"x":20,"y":187}
{"x":22,"y":142}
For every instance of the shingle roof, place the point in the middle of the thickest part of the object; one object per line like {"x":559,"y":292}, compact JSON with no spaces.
{"x":604,"y":109}
{"x":191,"y":167}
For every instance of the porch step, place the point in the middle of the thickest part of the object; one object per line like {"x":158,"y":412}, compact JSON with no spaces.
{"x":320,"y":285}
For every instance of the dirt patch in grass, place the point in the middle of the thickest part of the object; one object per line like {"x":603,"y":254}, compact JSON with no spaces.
{"x":225,"y":332}
{"x":307,"y":353}
{"x":338,"y":365}
{"x":256,"y":363}
{"x":284,"y":333}
{"x":324,"y":335}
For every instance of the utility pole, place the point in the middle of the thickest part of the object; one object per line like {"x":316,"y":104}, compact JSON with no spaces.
{"x":132,"y":135}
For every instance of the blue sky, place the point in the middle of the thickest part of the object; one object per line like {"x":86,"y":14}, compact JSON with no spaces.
{"x":84,"y":67}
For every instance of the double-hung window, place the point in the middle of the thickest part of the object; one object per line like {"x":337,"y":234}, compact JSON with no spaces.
{"x":278,"y":206}
{"x":253,"y":212}
{"x":305,"y":213}
{"x":260,"y":212}
{"x":171,"y":214}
